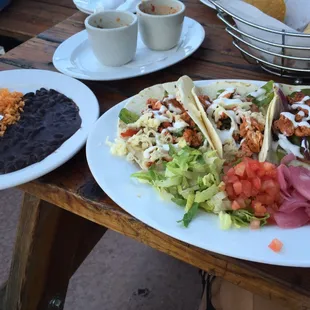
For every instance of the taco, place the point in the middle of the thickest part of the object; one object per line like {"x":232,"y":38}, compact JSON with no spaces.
{"x":291,"y":123}
{"x":157,"y":118}
{"x":235,"y":115}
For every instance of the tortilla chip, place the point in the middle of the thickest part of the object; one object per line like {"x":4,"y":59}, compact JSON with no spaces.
{"x":307,"y":29}
{"x":273,"y":8}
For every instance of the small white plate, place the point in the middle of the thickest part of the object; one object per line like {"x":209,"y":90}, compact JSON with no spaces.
{"x":31,"y":80}
{"x":112,"y":173}
{"x":89,"y":6}
{"x":74,"y":57}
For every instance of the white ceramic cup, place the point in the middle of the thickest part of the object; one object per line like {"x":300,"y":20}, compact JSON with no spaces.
{"x":160,"y":23}
{"x":113,"y":36}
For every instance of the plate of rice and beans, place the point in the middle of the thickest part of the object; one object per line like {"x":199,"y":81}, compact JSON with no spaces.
{"x":45,"y":118}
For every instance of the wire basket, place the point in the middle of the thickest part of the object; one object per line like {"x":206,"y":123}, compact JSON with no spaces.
{"x":275,"y":56}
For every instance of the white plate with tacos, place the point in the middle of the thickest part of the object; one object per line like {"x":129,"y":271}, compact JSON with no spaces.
{"x":204,"y":163}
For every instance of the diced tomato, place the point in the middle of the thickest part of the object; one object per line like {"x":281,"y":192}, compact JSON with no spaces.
{"x":255,"y":224}
{"x":239,"y":169}
{"x":246,"y":188}
{"x":261,"y":198}
{"x":268,"y":184}
{"x":268,"y":166}
{"x":225,"y":169}
{"x":274,"y":207}
{"x":272,"y":173}
{"x":254,"y":165}
{"x":260,"y":173}
{"x":237,"y":187}
{"x":273,"y":192}
{"x":235,"y":205}
{"x":230,"y":191}
{"x":231,"y":171}
{"x":253,"y":184}
{"x":254,"y":192}
{"x":241,"y":202}
{"x":276,"y":245}
{"x":129,"y":133}
{"x":232,"y":179}
{"x":259,"y":209}
{"x":250,"y":173}
{"x":265,"y":199}
{"x":257,"y":183}
{"x":269,"y":200}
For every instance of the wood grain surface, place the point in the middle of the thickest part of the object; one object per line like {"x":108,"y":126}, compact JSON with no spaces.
{"x":73,"y":188}
{"x":24,"y":19}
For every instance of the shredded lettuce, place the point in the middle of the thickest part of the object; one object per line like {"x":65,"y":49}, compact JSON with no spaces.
{"x":239,"y":218}
{"x":193,"y":179}
{"x":264,"y":100}
{"x":225,"y":220}
{"x":189,"y":215}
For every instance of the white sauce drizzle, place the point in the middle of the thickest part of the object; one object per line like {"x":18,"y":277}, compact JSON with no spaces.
{"x":163,"y":109}
{"x":212,"y":108}
{"x":161,"y":118}
{"x":228,"y":103}
{"x":304,"y":99}
{"x":165,"y":147}
{"x":301,"y":113}
{"x":229,"y":90}
{"x":177,"y":126}
{"x":226,"y":135}
{"x":168,"y":98}
{"x":174,"y":109}
{"x":258,"y":93}
{"x":148,"y":151}
{"x":291,"y":117}
{"x":289,"y":147}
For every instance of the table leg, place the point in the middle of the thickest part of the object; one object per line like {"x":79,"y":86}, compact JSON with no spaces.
{"x":51,"y":244}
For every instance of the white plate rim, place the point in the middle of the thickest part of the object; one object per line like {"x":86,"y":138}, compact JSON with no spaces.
{"x":44,"y":78}
{"x":68,"y":43}
{"x":89,"y":11}
{"x":268,"y":257}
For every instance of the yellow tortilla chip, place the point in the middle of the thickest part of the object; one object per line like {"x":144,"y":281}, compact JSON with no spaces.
{"x":307,"y":29}
{"x":273,"y":8}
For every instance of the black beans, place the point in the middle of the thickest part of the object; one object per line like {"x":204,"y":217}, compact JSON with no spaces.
{"x":49,"y":119}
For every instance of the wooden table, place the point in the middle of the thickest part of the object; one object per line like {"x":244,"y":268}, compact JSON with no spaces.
{"x":52,"y":242}
{"x":24,"y":19}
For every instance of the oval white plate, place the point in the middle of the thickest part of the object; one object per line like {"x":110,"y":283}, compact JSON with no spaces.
{"x":112,"y":173}
{"x":30,"y":80}
{"x":89,"y":6}
{"x":74,"y":57}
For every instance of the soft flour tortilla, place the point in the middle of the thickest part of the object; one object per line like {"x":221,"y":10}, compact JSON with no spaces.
{"x":274,"y":114}
{"x":182,"y":91}
{"x":243,"y":89}
{"x":185,"y":96}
